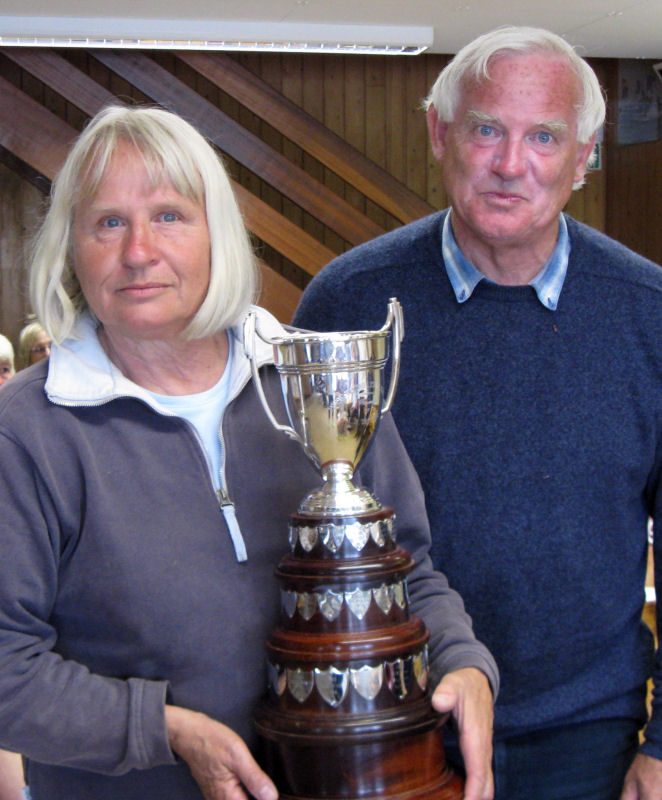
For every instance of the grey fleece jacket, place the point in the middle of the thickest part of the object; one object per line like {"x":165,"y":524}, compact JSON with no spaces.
{"x":120,"y":587}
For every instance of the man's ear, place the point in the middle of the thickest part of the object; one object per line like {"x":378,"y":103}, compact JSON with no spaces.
{"x":437,"y":131}
{"x":583,"y":155}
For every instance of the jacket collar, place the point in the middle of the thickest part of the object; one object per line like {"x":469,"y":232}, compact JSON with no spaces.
{"x":81,"y":374}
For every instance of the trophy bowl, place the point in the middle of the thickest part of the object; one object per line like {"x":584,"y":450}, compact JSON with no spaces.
{"x":332,"y":390}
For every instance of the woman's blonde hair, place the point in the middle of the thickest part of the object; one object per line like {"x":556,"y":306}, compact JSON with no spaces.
{"x":173,"y":151}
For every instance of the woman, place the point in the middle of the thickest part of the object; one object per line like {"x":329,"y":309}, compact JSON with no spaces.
{"x":147,"y":493}
{"x":33,"y":344}
{"x":6,"y":360}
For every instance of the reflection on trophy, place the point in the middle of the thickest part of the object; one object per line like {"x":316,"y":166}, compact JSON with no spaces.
{"x":347,"y":714}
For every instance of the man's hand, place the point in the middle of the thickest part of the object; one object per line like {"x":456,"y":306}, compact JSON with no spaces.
{"x":219,"y":759}
{"x":467,"y":695}
{"x":643,"y":780}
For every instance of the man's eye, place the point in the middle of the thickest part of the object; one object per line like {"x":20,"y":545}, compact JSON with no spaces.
{"x":485,"y":130}
{"x":544,"y":137}
{"x":111,"y":222}
{"x":169,"y":216}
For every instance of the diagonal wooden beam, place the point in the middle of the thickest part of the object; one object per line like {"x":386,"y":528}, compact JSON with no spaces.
{"x":309,"y":134}
{"x":261,"y":219}
{"x":248,"y":149}
{"x":31,"y":132}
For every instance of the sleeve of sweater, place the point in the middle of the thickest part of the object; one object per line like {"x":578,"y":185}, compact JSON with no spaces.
{"x":390,"y":475}
{"x":55,"y":710}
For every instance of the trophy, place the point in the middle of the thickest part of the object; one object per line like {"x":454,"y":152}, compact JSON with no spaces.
{"x":347,"y":715}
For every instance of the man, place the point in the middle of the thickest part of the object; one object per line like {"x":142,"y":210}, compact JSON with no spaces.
{"x":530,"y":400}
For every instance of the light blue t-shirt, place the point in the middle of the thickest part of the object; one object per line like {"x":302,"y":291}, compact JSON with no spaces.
{"x":204,"y":411}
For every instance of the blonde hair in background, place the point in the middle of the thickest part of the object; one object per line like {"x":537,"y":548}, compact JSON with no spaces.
{"x":175,"y":152}
{"x":26,"y":339}
{"x":6,"y":350}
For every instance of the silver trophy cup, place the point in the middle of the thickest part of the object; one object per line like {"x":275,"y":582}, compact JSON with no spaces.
{"x":332,"y":388}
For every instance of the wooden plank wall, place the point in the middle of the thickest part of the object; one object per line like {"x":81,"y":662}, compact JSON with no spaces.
{"x":634,"y":185}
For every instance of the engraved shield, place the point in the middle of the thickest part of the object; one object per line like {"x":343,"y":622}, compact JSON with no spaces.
{"x":399,"y":676}
{"x":358,"y":601}
{"x":299,"y":682}
{"x":383,"y":597}
{"x":330,"y":604}
{"x":307,"y":604}
{"x":358,"y":535}
{"x":308,"y":537}
{"x":421,"y":668}
{"x":333,"y":537}
{"x":332,"y":684}
{"x":367,"y":680}
{"x":288,"y":601}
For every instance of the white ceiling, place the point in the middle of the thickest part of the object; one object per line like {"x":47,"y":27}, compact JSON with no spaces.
{"x":599,"y":28}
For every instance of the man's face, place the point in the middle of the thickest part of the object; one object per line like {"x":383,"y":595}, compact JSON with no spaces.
{"x":511,"y":155}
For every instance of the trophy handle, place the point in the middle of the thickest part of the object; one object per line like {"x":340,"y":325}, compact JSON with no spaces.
{"x":396,"y":320}
{"x":250,"y":333}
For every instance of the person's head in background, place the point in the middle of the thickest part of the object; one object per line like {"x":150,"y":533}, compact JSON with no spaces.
{"x":6,"y":359}
{"x":33,"y":344}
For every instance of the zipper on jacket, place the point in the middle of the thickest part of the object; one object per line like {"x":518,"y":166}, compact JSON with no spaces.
{"x":227,"y":507}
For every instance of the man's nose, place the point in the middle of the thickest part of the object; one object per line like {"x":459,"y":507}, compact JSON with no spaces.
{"x":509,"y":158}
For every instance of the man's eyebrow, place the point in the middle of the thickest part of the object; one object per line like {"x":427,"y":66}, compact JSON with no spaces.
{"x":554,"y":125}
{"x":480,"y":117}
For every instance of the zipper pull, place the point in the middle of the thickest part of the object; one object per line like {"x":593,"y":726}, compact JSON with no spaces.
{"x":227,"y":507}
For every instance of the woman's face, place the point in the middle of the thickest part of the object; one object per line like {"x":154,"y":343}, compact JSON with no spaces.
{"x":41,"y":348}
{"x":141,"y":253}
{"x":6,"y":370}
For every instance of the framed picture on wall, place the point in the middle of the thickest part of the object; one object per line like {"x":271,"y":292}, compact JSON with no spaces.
{"x":639,"y":101}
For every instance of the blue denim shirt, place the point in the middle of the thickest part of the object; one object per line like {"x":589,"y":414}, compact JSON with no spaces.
{"x":464,"y":277}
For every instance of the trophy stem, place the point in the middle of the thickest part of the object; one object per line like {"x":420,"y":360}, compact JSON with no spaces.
{"x":338,"y":495}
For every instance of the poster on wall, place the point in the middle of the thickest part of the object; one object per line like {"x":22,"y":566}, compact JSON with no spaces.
{"x":639,"y":101}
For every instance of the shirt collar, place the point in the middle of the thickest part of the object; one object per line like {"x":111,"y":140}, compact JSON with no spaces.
{"x":464,"y":277}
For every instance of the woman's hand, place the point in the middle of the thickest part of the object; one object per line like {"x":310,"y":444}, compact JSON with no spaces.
{"x":218,"y":758}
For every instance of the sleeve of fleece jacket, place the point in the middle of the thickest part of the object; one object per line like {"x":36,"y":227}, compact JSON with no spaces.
{"x":53,"y":710}
{"x":392,"y":478}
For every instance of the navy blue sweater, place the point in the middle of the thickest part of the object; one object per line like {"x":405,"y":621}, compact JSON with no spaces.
{"x":538,"y":439}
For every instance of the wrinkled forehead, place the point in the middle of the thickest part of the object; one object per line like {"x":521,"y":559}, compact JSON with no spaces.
{"x":517,"y":79}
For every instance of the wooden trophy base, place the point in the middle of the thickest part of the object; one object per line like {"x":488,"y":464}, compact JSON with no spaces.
{"x":348,"y":713}
{"x":392,"y":758}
